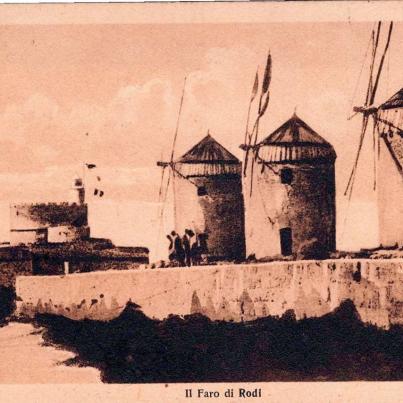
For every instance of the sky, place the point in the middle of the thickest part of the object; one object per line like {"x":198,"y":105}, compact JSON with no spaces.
{"x":109,"y":95}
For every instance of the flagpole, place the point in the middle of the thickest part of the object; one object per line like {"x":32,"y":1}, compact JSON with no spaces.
{"x":84,"y":181}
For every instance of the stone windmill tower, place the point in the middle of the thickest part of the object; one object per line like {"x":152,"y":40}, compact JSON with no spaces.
{"x":389,"y":120}
{"x":207,"y":187}
{"x":291,"y":210}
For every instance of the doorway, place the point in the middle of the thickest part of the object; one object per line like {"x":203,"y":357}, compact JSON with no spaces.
{"x":286,"y":241}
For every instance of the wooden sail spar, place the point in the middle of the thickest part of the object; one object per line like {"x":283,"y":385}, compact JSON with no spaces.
{"x":163,"y":194}
{"x":170,"y":164}
{"x":368,"y":109}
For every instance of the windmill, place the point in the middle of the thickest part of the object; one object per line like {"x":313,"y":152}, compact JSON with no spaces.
{"x":208,"y":199}
{"x":387,"y":143}
{"x":368,"y":110}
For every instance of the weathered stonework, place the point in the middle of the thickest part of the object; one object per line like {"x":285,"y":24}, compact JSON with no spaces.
{"x":390,"y":178}
{"x":306,"y":206}
{"x":208,"y":198}
{"x":289,"y":189}
{"x":14,"y":262}
{"x":219,"y":213}
{"x":236,"y":292}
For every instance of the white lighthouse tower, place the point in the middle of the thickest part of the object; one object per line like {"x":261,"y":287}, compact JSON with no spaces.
{"x":78,"y":191}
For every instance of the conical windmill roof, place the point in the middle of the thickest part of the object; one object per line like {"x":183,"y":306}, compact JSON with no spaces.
{"x":208,"y":150}
{"x":396,"y":101}
{"x":208,"y":158}
{"x":295,"y":131}
{"x":295,"y":141}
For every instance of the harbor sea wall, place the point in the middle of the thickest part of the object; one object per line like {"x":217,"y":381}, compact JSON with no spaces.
{"x":224,"y":292}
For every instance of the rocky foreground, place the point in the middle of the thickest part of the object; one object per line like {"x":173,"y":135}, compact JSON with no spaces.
{"x":135,"y":349}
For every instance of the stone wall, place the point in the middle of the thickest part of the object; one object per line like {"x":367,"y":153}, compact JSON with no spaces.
{"x":10,"y":270}
{"x":67,"y":233}
{"x":236,"y":292}
{"x":29,"y":223}
{"x":43,"y":215}
{"x":14,"y":262}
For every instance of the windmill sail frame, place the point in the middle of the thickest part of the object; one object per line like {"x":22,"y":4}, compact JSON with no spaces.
{"x":368,"y":110}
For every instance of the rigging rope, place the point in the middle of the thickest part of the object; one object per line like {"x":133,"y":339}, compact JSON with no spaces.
{"x":370,"y":89}
{"x":177,"y":121}
{"x":161,"y":211}
{"x":370,"y":97}
{"x":254,"y":155}
{"x":170,"y":172}
{"x":162,"y":181}
{"x":375,"y":153}
{"x":350,"y":183}
{"x":263,"y":204}
{"x":387,"y":74}
{"x":360,"y":74}
{"x":381,"y":63}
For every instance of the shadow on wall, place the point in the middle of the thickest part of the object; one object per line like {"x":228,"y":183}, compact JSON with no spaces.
{"x":135,"y":349}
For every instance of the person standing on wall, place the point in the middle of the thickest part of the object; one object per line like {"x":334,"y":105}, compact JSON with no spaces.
{"x":195,"y":252}
{"x":171,"y":248}
{"x":179,"y":250}
{"x":203,"y":248}
{"x":187,"y":243}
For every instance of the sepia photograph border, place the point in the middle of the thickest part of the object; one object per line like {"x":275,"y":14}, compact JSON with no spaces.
{"x":208,"y":12}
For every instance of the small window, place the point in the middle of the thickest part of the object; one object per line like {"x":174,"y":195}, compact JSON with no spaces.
{"x":286,"y":176}
{"x":201,"y":191}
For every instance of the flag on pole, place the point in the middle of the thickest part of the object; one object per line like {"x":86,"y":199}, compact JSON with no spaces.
{"x":98,"y":192}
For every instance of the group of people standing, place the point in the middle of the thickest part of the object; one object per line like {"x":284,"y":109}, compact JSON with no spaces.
{"x":188,"y":250}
